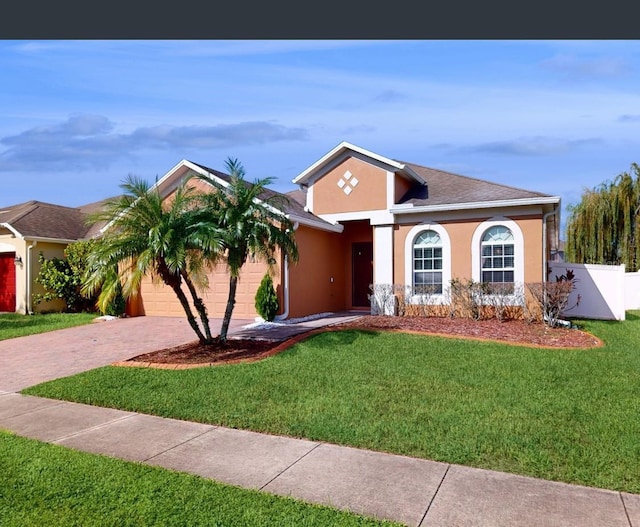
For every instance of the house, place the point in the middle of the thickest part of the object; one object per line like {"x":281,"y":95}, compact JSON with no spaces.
{"x":361,"y":218}
{"x":26,"y":230}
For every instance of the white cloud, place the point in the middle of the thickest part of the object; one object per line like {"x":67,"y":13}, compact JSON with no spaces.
{"x":88,"y":141}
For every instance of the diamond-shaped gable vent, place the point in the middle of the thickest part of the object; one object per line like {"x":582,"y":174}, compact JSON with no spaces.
{"x":348,"y":182}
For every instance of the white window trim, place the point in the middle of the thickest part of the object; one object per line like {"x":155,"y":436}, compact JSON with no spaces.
{"x":446,"y":259}
{"x":518,"y":242}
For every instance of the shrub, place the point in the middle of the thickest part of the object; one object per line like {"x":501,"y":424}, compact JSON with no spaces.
{"x":266,"y":299}
{"x":382,"y":299}
{"x":465,"y":298}
{"x":504,"y":301}
{"x":62,"y":278}
{"x":553,"y":297}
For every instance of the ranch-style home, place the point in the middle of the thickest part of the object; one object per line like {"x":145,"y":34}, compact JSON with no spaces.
{"x":361,"y":218}
{"x":26,"y":230}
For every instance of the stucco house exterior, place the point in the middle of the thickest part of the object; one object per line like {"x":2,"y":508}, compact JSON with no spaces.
{"x":26,"y":230}
{"x":360,"y":218}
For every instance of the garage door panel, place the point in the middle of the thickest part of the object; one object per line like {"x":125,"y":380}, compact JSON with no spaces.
{"x":161,"y":300}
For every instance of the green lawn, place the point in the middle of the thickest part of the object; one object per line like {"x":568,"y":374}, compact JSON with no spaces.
{"x":567,"y":415}
{"x":44,"y":484}
{"x":16,"y":325}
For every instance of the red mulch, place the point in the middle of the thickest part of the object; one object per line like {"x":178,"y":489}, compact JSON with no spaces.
{"x":514,"y":331}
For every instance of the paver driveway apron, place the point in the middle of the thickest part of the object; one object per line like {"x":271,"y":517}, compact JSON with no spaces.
{"x":25,"y":361}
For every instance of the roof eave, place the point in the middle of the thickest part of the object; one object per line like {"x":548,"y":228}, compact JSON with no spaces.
{"x":49,"y":240}
{"x":324,"y":226}
{"x":412,"y":209}
{"x":9,"y":227}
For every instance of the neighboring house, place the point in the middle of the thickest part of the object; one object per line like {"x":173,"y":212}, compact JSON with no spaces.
{"x":26,"y":230}
{"x":363,"y":219}
{"x":360,"y":219}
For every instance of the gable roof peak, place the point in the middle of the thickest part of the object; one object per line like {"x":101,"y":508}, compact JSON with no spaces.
{"x":344,"y":149}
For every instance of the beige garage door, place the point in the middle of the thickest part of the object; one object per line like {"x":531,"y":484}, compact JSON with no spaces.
{"x":161,"y":300}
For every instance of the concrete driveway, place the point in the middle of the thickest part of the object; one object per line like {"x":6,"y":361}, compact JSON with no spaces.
{"x":25,"y":361}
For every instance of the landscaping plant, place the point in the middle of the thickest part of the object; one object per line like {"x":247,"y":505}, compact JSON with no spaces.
{"x":266,"y":299}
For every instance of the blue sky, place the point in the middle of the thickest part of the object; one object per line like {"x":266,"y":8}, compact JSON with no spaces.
{"x":79,"y":116}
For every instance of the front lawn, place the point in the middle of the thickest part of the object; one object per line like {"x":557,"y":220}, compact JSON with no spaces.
{"x":567,"y":415}
{"x":44,"y":484}
{"x":16,"y":325}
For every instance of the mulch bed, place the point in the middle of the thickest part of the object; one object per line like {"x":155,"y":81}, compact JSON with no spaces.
{"x":194,"y":354}
{"x":512,"y":331}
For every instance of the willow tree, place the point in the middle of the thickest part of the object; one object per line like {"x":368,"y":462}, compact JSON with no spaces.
{"x":604,"y":228}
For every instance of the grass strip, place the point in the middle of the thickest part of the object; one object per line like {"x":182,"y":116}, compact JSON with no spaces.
{"x":44,"y":484}
{"x":16,"y":325}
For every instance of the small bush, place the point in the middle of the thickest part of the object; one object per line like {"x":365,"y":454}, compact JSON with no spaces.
{"x":118,"y":305}
{"x":465,"y":299}
{"x":382,"y":299}
{"x":62,"y":278}
{"x":266,"y":299}
{"x":553,"y":297}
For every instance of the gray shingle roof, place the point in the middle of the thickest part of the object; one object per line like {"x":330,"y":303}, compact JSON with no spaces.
{"x":444,"y":188}
{"x":288,"y":203}
{"x":45,"y":220}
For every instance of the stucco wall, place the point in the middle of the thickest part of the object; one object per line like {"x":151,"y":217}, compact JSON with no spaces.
{"x":48,"y":250}
{"x":317,"y":281}
{"x":401,"y":187}
{"x":369,"y":194}
{"x":27,"y":271}
{"x":461,"y":236}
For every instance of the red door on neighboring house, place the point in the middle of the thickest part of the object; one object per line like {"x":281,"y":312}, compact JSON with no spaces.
{"x":362,"y":266}
{"x":7,"y":282}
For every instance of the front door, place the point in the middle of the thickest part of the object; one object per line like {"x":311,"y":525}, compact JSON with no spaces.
{"x":362,"y":273}
{"x":7,"y":282}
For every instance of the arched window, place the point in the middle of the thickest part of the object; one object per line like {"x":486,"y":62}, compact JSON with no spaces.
{"x":427,"y":262}
{"x":498,"y":256}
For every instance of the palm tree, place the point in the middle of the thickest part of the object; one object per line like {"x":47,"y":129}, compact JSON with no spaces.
{"x":250,"y":223}
{"x":171,"y":241}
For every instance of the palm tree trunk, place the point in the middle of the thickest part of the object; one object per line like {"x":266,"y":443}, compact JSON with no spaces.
{"x":187,"y":309}
{"x":173,"y":281}
{"x":199,"y":305}
{"x":231,"y":301}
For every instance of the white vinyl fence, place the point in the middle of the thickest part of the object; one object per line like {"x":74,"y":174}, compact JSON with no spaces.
{"x":632,"y":290}
{"x":605,"y":290}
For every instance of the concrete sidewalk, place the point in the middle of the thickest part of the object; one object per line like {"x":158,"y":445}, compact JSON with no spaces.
{"x":416,"y":492}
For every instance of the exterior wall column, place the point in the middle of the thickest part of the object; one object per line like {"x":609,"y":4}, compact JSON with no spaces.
{"x":383,"y":265}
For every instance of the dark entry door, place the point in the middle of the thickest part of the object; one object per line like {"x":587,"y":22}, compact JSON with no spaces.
{"x":362,"y":273}
{"x":7,"y":282}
